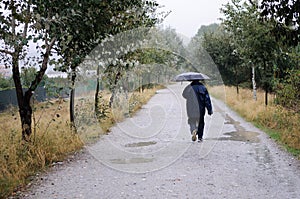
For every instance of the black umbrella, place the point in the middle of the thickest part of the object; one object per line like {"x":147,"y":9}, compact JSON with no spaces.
{"x":190,"y":76}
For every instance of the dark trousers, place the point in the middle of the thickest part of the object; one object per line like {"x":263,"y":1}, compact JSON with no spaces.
{"x":197,"y":123}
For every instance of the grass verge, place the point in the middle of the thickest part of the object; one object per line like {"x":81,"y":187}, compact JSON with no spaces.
{"x":280,"y":124}
{"x":51,"y":141}
{"x":124,"y":106}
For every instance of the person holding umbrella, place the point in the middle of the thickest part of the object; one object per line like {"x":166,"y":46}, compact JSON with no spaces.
{"x":197,"y":100}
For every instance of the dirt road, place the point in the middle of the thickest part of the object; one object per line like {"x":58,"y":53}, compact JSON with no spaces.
{"x":152,"y":156}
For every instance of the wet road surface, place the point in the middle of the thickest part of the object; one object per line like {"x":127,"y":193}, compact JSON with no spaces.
{"x":152,"y":156}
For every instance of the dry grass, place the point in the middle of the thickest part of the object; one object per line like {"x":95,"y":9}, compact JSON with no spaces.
{"x":283,"y":124}
{"x":51,"y":141}
{"x":91,"y":128}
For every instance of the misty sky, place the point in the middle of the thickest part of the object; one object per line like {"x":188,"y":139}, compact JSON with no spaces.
{"x":188,"y":15}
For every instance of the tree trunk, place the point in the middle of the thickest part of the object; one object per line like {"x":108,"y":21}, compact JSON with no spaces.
{"x":236,"y":80}
{"x":143,"y":86}
{"x":140,"y":86}
{"x":113,"y":90}
{"x":26,"y":116}
{"x":97,"y":91}
{"x":72,"y":97}
{"x":266,"y":96}
{"x":25,"y":110}
{"x":254,"y":83}
{"x":72,"y":115}
{"x":266,"y":84}
{"x":111,"y":99}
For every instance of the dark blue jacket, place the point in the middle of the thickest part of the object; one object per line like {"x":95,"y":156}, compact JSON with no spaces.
{"x":197,"y":99}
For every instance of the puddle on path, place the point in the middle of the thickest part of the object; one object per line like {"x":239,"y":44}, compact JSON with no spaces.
{"x":141,"y":144}
{"x":262,"y":154}
{"x":132,"y":160}
{"x":240,"y":134}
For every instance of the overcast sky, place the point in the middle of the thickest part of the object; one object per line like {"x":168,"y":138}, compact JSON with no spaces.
{"x":188,"y":15}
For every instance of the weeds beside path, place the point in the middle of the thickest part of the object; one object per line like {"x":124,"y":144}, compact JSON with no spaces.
{"x":281,"y":124}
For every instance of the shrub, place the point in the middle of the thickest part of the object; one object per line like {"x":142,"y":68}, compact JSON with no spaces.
{"x":288,"y":91}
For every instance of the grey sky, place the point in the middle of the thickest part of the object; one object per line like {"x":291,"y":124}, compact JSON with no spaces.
{"x":188,"y":15}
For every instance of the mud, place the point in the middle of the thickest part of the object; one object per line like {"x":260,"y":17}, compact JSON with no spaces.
{"x":132,"y":161}
{"x":140,"y":144}
{"x":240,"y":133}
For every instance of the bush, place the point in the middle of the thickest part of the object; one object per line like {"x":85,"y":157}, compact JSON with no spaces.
{"x":288,"y":91}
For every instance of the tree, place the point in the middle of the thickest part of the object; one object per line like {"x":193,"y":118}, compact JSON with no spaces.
{"x":126,"y":58}
{"x":67,"y":29}
{"x":94,"y":20}
{"x":255,"y":41}
{"x":286,"y":15}
{"x":199,"y":56}
{"x":223,"y":50}
{"x":20,"y":26}
{"x":134,"y":51}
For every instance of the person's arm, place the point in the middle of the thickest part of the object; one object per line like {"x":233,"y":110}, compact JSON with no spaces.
{"x":208,"y":103}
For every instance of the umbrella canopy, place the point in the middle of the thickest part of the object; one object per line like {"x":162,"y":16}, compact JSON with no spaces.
{"x":190,"y":76}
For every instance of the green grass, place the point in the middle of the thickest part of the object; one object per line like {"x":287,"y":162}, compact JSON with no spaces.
{"x":275,"y":135}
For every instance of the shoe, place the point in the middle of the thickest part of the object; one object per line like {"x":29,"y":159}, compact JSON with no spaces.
{"x":194,"y":135}
{"x":200,"y":140}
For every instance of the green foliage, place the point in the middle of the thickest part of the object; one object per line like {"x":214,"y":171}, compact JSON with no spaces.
{"x":57,"y":87}
{"x":28,"y":74}
{"x":207,"y":29}
{"x":89,"y":22}
{"x":288,"y":91}
{"x":223,"y":50}
{"x":253,"y":38}
{"x":258,"y":36}
{"x":5,"y":83}
{"x":286,"y":14}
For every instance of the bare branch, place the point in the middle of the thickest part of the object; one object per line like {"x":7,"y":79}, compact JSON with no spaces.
{"x":52,"y":43}
{"x":44,"y":66}
{"x":13,"y":20}
{"x":27,"y":19}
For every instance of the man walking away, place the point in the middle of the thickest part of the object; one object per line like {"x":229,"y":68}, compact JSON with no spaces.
{"x":197,"y":99}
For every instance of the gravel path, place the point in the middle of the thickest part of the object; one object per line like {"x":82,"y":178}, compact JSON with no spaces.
{"x":152,"y":156}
